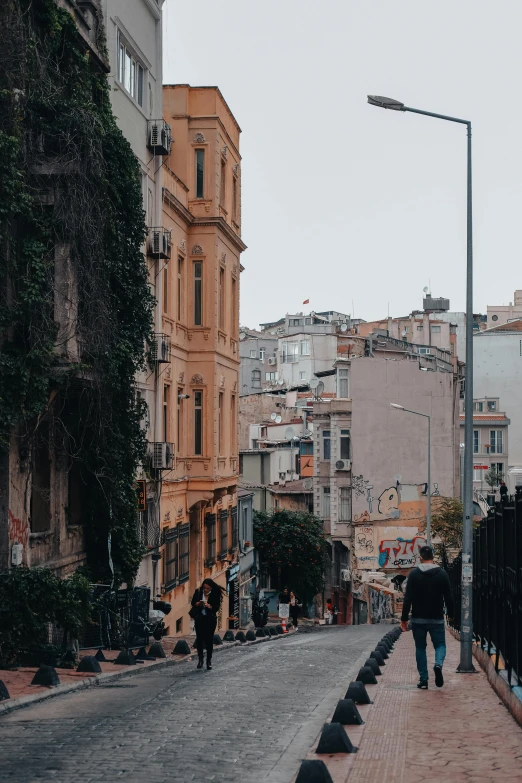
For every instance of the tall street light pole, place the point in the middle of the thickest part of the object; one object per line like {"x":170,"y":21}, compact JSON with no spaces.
{"x":424,"y":416}
{"x":466,"y":629}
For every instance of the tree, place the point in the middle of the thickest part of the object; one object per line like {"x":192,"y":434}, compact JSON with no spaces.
{"x":493,"y":477}
{"x":292,"y":545}
{"x":446,"y":525}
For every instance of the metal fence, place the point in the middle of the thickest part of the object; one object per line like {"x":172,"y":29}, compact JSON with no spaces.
{"x":497,"y":586}
{"x":119,"y":618}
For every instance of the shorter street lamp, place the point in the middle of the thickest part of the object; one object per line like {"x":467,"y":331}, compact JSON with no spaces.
{"x":424,"y":416}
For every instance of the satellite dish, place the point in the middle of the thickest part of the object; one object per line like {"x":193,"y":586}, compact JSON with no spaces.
{"x":425,"y":289}
{"x":307,"y":434}
{"x":242,"y":335}
{"x":344,"y":327}
{"x":273,"y":416}
{"x":289,"y":433}
{"x":278,"y":419}
{"x":281,"y":381}
{"x":318,"y":390}
{"x":314,"y":383}
{"x":308,"y":484}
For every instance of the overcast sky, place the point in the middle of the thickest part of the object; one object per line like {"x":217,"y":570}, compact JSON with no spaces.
{"x":342,"y":201}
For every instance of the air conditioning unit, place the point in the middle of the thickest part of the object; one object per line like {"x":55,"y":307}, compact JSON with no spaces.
{"x":343,"y":464}
{"x":160,"y":348}
{"x":159,"y":243}
{"x":346,"y":575}
{"x":162,"y":456}
{"x":272,"y":360}
{"x":159,"y":137}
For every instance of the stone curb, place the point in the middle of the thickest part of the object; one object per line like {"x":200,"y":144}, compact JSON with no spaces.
{"x":101,"y":679}
{"x":318,"y":724}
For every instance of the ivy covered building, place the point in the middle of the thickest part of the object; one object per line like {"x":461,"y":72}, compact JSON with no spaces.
{"x":76,"y":308}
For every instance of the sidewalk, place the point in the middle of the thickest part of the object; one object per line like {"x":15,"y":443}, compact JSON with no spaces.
{"x":460,"y":733}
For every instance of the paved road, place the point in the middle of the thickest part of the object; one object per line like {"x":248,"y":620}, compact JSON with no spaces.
{"x":251,"y":719}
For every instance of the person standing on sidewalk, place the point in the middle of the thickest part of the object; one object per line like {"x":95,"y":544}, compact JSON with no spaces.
{"x":206,"y":603}
{"x":295,"y":608}
{"x":427,"y":590}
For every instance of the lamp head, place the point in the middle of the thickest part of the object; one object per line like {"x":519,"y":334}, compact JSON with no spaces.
{"x":386,"y":103}
{"x":394,"y":405}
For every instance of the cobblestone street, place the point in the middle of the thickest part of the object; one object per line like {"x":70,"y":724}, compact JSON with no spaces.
{"x":252,"y":718}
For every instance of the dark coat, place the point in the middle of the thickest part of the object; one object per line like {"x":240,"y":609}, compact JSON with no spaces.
{"x":214,"y":599}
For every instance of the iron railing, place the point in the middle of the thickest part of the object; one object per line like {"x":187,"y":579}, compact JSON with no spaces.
{"x":497,"y":586}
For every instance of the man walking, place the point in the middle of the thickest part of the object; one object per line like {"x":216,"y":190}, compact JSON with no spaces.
{"x":427,"y":590}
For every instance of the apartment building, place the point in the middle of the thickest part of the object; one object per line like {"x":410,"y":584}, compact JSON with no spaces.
{"x":370,"y":466}
{"x":490,"y":441}
{"x":257,"y":353}
{"x":497,"y":374}
{"x":198,"y":364}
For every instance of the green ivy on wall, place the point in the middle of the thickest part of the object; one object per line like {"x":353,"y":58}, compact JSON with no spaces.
{"x":69,"y":179}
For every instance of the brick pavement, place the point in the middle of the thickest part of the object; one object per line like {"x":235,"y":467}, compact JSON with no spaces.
{"x":460,"y":733}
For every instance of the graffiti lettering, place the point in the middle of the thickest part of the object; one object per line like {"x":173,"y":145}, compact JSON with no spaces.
{"x":381,"y":605}
{"x":364,"y":543}
{"x":364,"y":517}
{"x":18,"y":532}
{"x":359,"y":485}
{"x":400,"y":553}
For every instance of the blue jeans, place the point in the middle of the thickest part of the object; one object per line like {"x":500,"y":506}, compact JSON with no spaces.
{"x":438,"y":637}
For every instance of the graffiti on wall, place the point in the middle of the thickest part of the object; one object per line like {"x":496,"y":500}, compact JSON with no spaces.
{"x":395,"y":501}
{"x":364,"y":549}
{"x":381,"y":605}
{"x":377,"y":546}
{"x":400,"y":552}
{"x":18,"y":531}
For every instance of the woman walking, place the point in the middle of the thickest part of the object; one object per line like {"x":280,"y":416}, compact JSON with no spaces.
{"x":206,"y":602}
{"x":295,"y":608}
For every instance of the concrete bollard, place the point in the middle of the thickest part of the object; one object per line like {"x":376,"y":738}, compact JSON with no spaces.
{"x":229,"y":636}
{"x":260,"y":633}
{"x":378,"y":657}
{"x":89,"y":664}
{"x":334,"y":739}
{"x":372,"y":664}
{"x":240,"y":637}
{"x":383,"y":651}
{"x":100,"y":656}
{"x":126,"y":658}
{"x":156,"y":650}
{"x":4,"y":693}
{"x":250,"y":636}
{"x":217,"y":639}
{"x":347,"y":714}
{"x":46,"y":675}
{"x":358,"y":693}
{"x":313,"y":771}
{"x":366,"y":676}
{"x":181,"y":648}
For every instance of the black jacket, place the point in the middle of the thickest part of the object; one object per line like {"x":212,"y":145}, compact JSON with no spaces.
{"x":214,"y":599}
{"x":426,"y":594}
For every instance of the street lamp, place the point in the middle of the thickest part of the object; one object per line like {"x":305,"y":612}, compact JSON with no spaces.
{"x":466,"y":630}
{"x":425,"y":416}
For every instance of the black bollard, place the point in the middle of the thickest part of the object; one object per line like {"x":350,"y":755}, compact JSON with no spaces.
{"x":366,"y":676}
{"x":378,"y":657}
{"x":89,"y":664}
{"x":313,"y":771}
{"x":250,"y":636}
{"x":4,"y":693}
{"x":125,"y":658}
{"x":358,"y":693}
{"x":156,"y":650}
{"x":347,"y":713}
{"x":100,"y":656}
{"x":229,"y":636}
{"x":181,"y":648}
{"x":373,"y":665}
{"x":334,"y":739}
{"x":217,"y":639}
{"x":240,"y":637}
{"x":46,"y":675}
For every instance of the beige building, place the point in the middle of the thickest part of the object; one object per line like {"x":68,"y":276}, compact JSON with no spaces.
{"x":503,"y":314}
{"x":199,"y":368}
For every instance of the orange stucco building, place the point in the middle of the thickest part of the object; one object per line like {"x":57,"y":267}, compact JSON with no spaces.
{"x":200,"y":322}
